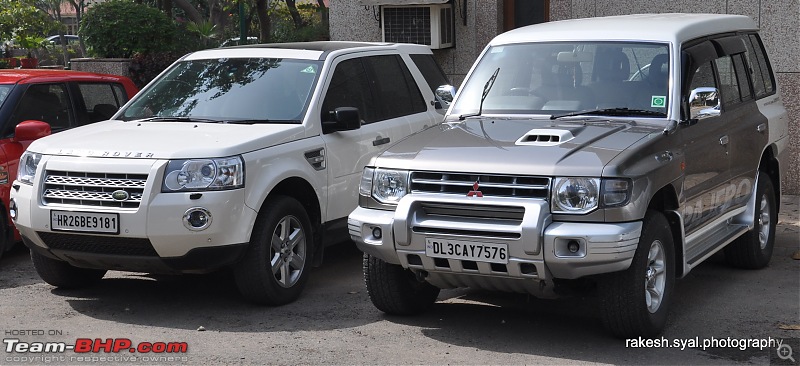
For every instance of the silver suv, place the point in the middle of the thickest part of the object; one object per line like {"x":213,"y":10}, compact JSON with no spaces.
{"x":619,"y":151}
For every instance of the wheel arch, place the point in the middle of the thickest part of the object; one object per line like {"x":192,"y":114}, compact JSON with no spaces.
{"x":770,"y":165}
{"x":301,"y":190}
{"x":665,"y":200}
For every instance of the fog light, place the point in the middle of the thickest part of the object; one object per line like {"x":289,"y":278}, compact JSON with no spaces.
{"x":196,"y":219}
{"x":573,"y":246}
{"x":377,"y":233}
{"x":12,"y":209}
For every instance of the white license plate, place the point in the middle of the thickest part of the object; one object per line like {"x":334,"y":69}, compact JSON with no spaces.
{"x":466,"y":250}
{"x":90,"y":222}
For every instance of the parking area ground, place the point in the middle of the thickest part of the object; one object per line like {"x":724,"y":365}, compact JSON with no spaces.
{"x":334,"y":322}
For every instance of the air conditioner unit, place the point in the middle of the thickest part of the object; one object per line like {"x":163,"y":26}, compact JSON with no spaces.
{"x":430,"y":25}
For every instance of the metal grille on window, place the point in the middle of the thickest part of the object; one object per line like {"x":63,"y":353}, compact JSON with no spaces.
{"x":407,"y":25}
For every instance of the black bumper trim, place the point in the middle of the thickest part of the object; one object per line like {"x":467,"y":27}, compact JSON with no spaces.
{"x":197,"y":260}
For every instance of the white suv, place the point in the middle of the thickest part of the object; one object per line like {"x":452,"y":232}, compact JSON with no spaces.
{"x":248,"y":156}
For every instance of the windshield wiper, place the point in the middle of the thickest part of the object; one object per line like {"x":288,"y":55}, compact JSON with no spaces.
{"x":486,"y":88}
{"x":611,"y":112}
{"x":179,"y":119}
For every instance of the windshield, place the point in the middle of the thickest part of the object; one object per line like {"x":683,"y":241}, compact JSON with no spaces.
{"x":5,"y":89}
{"x":234,"y":89}
{"x":564,"y":77}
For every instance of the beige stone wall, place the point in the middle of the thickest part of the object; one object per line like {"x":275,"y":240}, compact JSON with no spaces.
{"x":779,"y":21}
{"x":113,"y":66}
{"x":352,"y":22}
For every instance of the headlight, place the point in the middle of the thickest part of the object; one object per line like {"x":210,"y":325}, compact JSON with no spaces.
{"x":204,"y":174}
{"x":576,"y":195}
{"x":582,"y":195}
{"x":388,"y":186}
{"x":27,"y":167}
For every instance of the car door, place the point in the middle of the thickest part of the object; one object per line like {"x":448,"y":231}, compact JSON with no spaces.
{"x":706,"y":142}
{"x":380,"y":86}
{"x":748,"y":129}
{"x":44,"y":102}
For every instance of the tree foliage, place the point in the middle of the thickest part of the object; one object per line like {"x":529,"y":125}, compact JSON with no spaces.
{"x":298,"y":23}
{"x":120,"y":28}
{"x":22,"y":20}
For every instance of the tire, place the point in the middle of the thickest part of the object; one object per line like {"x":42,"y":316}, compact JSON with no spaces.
{"x":629,"y":308}
{"x":275,"y":268}
{"x":753,"y":250}
{"x":395,"y":290}
{"x":63,"y":275}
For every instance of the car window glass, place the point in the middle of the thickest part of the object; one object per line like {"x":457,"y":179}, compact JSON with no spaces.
{"x":741,"y":76}
{"x":431,"y":71}
{"x":755,"y":69}
{"x":562,"y":77}
{"x":729,"y":85}
{"x":263,"y":89}
{"x":763,"y":65}
{"x":119,"y":93}
{"x":350,"y":87}
{"x":44,"y":102}
{"x":4,"y":90}
{"x":100,"y":100}
{"x":395,"y":89}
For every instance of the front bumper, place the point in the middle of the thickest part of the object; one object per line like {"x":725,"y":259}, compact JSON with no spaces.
{"x":152,"y":237}
{"x":538,"y":248}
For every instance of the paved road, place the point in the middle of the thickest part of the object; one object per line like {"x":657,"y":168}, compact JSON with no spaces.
{"x":334,"y":322}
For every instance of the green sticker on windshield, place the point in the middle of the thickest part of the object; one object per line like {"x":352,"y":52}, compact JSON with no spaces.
{"x":309,"y":70}
{"x":658,"y":101}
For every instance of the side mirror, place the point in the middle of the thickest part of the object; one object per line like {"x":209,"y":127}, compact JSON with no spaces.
{"x":31,"y":130}
{"x":344,"y":119}
{"x":704,"y":102}
{"x":444,"y":96}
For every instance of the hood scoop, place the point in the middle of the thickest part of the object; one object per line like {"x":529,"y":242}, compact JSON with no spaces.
{"x":545,"y":137}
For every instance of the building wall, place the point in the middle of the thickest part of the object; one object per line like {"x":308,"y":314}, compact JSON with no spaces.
{"x":779,"y":21}
{"x":353,"y":22}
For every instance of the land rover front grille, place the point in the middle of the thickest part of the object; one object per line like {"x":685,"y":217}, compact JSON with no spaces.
{"x":93,"y":189}
{"x":488,"y":185}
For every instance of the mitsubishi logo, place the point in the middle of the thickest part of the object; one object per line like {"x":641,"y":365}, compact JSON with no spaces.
{"x":475,"y":192}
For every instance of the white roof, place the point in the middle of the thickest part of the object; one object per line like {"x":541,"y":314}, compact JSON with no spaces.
{"x":255,"y":53}
{"x":675,"y":28}
{"x":305,"y":50}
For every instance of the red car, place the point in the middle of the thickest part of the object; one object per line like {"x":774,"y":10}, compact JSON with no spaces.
{"x":35,"y":102}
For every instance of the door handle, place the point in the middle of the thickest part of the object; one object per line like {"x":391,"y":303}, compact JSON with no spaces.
{"x":724,"y":140}
{"x":762,"y":127}
{"x":380,"y":141}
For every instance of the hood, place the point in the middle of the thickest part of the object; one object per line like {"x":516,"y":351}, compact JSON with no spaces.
{"x":165,"y":140}
{"x":517,"y":146}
